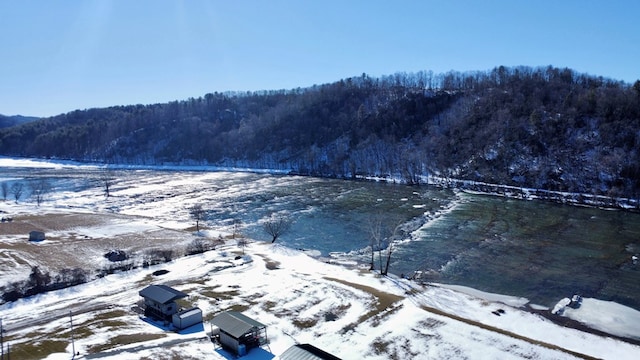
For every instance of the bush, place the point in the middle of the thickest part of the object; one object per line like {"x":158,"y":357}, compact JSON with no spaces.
{"x":198,"y":246}
{"x":116,"y":255}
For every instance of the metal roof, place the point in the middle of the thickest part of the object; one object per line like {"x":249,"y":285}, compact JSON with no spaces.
{"x":306,"y":352}
{"x":186,"y":313}
{"x":235,"y":323}
{"x":161,"y":293}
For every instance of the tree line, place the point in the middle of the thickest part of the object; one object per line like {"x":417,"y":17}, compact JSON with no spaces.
{"x":545,"y":127}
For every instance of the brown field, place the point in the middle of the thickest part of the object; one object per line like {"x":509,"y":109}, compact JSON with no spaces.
{"x":71,"y":243}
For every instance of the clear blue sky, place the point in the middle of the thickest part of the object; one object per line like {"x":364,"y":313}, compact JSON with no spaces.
{"x":60,"y":55}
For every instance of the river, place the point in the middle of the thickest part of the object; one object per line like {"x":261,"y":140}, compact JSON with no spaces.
{"x":534,"y":249}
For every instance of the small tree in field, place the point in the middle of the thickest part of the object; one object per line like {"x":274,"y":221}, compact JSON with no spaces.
{"x":17,"y":189}
{"x":39,"y":190}
{"x":197,"y":213}
{"x":242,"y":243}
{"x":4,"y":188}
{"x":277,"y":225}
{"x":237,"y":226}
{"x":106,"y":180}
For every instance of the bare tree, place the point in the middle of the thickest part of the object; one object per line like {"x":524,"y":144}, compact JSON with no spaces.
{"x":17,"y":189}
{"x":106,"y":180}
{"x":382,"y":232}
{"x":4,"y":187}
{"x":242,"y":243}
{"x":375,"y":229}
{"x":39,"y":190}
{"x":277,"y":225}
{"x":197,"y":213}
{"x":237,"y":226}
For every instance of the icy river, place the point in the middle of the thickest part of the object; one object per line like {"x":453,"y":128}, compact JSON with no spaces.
{"x":534,"y":249}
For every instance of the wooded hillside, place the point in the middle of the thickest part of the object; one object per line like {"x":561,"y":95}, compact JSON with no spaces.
{"x":546,"y":128}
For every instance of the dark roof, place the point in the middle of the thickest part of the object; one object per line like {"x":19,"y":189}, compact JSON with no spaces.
{"x":306,"y":352}
{"x":161,"y":293}
{"x":235,"y":323}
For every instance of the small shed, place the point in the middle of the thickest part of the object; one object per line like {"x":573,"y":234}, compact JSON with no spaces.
{"x":238,"y":332}
{"x":36,"y":235}
{"x":186,"y":318}
{"x":160,"y":301}
{"x":306,"y":352}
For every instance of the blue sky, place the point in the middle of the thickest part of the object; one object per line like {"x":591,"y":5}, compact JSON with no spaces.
{"x":60,"y":55}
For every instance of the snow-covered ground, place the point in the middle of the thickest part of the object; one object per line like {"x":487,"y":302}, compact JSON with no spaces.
{"x":345,"y":310}
{"x":371,"y":317}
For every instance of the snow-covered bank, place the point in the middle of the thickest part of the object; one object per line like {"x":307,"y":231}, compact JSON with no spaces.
{"x":371,"y":317}
{"x":571,"y":198}
{"x":59,"y":164}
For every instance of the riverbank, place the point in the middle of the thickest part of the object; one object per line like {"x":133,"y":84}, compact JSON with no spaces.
{"x":351,"y":313}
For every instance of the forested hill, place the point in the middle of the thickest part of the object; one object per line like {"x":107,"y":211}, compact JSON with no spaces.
{"x":8,"y":121}
{"x":545,"y":128}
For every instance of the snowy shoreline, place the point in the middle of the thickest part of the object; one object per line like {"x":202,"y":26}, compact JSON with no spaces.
{"x":473,"y":187}
{"x":303,"y":291}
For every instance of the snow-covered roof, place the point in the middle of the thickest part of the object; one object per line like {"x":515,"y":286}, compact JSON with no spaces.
{"x":161,"y":293}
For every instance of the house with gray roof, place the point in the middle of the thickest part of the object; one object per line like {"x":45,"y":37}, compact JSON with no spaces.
{"x":238,"y":332}
{"x":160,"y":301}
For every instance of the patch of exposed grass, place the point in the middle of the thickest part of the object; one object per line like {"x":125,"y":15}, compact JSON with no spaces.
{"x":220,"y":295}
{"x":124,"y":339}
{"x":268,"y":263}
{"x":390,"y":346}
{"x":304,"y":324}
{"x":384,"y":302}
{"x":380,"y":346}
{"x":38,"y":349}
{"x":269,"y":305}
{"x":238,"y":307}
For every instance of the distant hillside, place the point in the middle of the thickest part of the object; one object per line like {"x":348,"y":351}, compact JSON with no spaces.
{"x":546,"y":128}
{"x":8,"y":121}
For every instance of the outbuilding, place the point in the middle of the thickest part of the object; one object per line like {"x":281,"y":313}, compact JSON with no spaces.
{"x":186,"y":318}
{"x":36,"y":235}
{"x":306,"y":352}
{"x":160,"y":301}
{"x":238,"y":332}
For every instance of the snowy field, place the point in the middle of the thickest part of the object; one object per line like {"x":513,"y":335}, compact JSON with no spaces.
{"x":344,"y":310}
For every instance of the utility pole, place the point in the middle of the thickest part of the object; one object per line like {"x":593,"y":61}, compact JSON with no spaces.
{"x":1,"y":340}
{"x":73,"y":346}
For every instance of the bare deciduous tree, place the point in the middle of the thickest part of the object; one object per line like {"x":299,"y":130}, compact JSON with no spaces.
{"x":197,"y":213}
{"x":242,"y":243}
{"x":277,"y":225}
{"x":39,"y":190}
{"x":106,"y":180}
{"x":382,"y":232}
{"x":4,"y":187}
{"x":237,"y":226}
{"x":17,"y":189}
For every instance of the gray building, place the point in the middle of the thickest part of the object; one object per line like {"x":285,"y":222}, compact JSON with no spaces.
{"x":36,"y":235}
{"x":159,"y":301}
{"x":238,"y":332}
{"x":306,"y":352}
{"x":186,"y":318}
